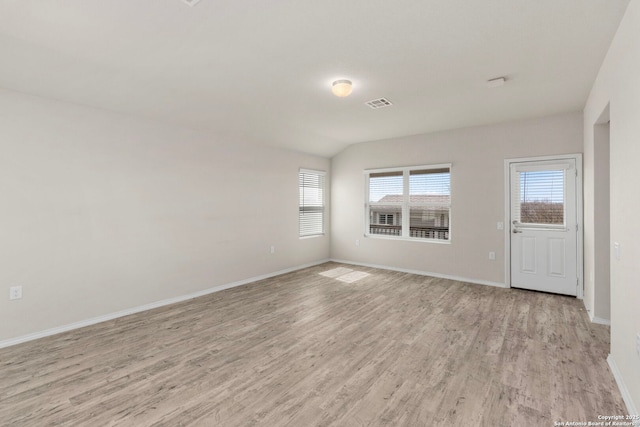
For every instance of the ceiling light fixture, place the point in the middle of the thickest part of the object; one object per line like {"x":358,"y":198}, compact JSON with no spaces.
{"x":342,"y":88}
{"x":497,"y":82}
{"x":191,"y":2}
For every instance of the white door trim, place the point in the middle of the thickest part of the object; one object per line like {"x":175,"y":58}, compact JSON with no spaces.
{"x":579,"y":214}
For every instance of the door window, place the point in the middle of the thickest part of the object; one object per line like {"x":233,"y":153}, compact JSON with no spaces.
{"x":541,"y":198}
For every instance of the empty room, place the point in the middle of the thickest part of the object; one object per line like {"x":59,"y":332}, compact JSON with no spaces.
{"x":280,"y":213}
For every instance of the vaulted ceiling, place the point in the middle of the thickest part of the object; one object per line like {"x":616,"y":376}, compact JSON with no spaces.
{"x":260,"y":71}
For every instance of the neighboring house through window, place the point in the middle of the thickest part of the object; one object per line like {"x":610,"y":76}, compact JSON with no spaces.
{"x":311,"y":185}
{"x":410,"y":202}
{"x":385,"y":219}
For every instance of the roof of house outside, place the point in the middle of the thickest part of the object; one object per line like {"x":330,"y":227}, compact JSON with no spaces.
{"x":438,"y":203}
{"x":443,"y":199}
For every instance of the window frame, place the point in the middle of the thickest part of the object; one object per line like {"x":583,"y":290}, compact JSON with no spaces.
{"x":405,"y":205}
{"x":322,"y":210}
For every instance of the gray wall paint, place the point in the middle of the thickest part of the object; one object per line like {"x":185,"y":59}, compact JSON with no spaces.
{"x":102,"y":212}
{"x":602,"y":300}
{"x":477,"y":193}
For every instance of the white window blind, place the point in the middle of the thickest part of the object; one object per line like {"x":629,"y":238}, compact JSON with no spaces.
{"x":417,"y":199}
{"x":311,"y":207}
{"x":540,"y":195}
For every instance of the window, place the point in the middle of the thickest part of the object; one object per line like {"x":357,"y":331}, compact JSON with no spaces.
{"x":311,"y":206}
{"x":541,"y":198}
{"x":385,"y":219}
{"x":410,"y":203}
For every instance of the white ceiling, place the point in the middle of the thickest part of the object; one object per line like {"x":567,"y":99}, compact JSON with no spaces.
{"x":261,"y":71}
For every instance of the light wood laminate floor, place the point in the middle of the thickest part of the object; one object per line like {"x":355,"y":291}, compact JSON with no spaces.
{"x":391,"y":349}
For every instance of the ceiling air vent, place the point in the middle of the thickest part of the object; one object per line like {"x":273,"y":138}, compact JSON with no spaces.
{"x":378,"y":103}
{"x":191,"y":2}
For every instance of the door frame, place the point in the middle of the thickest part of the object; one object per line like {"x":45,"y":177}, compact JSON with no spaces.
{"x":579,"y":214}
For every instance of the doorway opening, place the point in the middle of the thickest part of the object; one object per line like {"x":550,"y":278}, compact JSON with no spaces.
{"x":599,"y":280}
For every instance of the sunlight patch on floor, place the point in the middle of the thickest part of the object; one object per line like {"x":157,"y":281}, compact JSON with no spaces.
{"x":344,"y":274}
{"x":352,"y":277}
{"x":336,"y":272}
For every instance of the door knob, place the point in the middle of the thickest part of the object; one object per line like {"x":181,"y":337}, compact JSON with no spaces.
{"x":517,"y":231}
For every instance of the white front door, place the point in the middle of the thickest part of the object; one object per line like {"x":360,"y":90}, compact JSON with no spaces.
{"x":544,"y":252}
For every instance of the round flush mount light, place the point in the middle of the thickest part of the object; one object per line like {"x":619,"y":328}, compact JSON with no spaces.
{"x":342,"y":88}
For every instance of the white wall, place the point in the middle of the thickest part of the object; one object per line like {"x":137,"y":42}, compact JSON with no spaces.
{"x":618,"y":85}
{"x":477,"y":186}
{"x":102,"y":212}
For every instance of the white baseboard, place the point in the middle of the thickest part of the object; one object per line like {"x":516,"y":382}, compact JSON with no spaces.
{"x":425,"y":273}
{"x":594,"y":318}
{"x":122,"y":313}
{"x":599,"y":320}
{"x":631,"y":407}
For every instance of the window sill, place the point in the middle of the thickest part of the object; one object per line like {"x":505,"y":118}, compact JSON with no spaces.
{"x":408,"y":239}
{"x":311,"y":237}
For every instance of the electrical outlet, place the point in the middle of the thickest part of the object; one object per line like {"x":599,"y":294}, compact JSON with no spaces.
{"x":638,"y":343}
{"x":492,"y":256}
{"x":616,"y":250}
{"x":500,"y":225}
{"x":273,"y":250}
{"x":357,"y":242}
{"x":15,"y":292}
